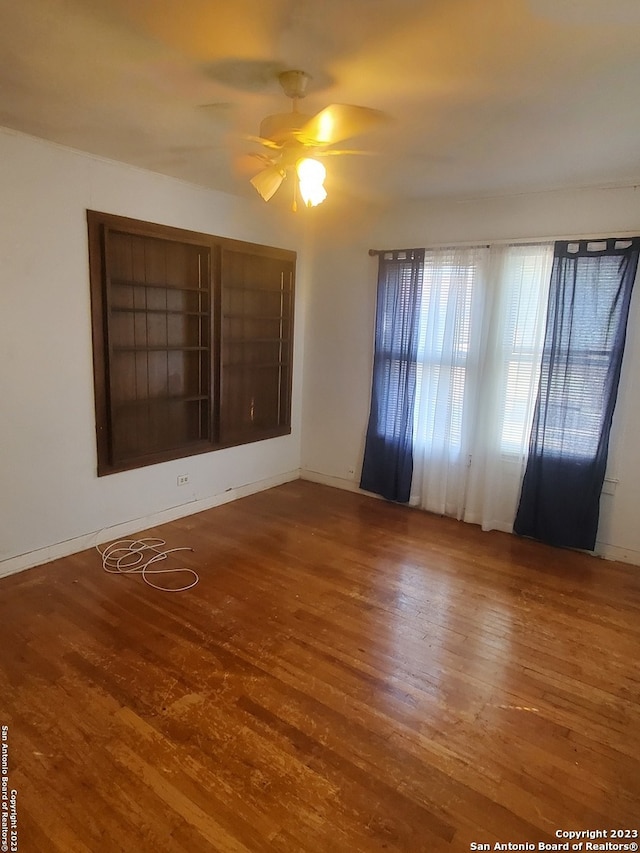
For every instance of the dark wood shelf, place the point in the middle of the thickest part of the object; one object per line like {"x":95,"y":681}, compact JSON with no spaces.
{"x":159,"y":349}
{"x":160,"y":311}
{"x":244,"y":289}
{"x":248,"y":316}
{"x":249,"y":341}
{"x":237,"y":365}
{"x":120,"y":282}
{"x":160,"y":402}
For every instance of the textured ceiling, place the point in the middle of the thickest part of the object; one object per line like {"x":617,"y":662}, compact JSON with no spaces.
{"x":483,"y":96}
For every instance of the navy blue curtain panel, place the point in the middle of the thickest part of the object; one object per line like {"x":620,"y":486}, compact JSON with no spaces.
{"x":589,"y":297}
{"x":388,"y":458}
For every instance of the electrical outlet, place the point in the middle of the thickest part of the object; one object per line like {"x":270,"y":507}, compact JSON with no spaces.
{"x":183,"y":479}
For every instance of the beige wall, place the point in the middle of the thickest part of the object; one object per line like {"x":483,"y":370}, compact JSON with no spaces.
{"x":51,"y":501}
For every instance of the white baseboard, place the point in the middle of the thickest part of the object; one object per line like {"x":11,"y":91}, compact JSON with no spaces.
{"x":603,"y":550}
{"x":107,"y":534}
{"x":328,"y":480}
{"x":617,"y":553}
{"x":81,"y":543}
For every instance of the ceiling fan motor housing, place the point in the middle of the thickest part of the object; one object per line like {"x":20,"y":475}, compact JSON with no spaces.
{"x":281,"y":126}
{"x":294,"y":83}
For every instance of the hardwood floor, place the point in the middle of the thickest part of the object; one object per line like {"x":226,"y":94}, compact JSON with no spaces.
{"x":348,"y":675}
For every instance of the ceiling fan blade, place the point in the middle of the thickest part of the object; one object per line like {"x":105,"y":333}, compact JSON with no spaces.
{"x":268,"y":181}
{"x":326,"y":152}
{"x":261,"y":140}
{"x":265,"y":159}
{"x":337,"y":122}
{"x":246,"y":164}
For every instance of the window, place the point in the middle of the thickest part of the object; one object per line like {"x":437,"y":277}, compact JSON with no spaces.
{"x":192,"y":341}
{"x":481,"y":332}
{"x":445,"y":343}
{"x":399,"y":301}
{"x":525,"y":284}
{"x":481,"y":325}
{"x":590,"y":293}
{"x":512,"y":365}
{"x":584,"y":344}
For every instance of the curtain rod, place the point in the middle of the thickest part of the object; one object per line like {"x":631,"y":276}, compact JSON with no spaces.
{"x":373,"y":252}
{"x":521,"y":241}
{"x":378,"y":252}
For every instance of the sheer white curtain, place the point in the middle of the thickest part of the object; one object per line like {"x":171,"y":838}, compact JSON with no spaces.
{"x":449,"y":351}
{"x":481,"y":335}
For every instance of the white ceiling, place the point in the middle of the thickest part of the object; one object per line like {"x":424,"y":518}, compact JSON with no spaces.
{"x":483,"y":96}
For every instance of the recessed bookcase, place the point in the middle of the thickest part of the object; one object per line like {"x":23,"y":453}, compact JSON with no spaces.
{"x":192,"y":341}
{"x":257,"y":311}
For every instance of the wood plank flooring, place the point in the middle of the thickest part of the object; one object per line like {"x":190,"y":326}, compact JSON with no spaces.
{"x":348,"y":676}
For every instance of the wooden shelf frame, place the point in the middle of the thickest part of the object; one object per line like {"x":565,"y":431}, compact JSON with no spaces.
{"x":167,"y":390}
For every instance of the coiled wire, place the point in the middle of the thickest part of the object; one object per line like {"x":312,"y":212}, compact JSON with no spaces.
{"x":135,"y":556}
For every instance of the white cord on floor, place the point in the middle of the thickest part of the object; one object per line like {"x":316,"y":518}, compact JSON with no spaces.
{"x":130,"y":557}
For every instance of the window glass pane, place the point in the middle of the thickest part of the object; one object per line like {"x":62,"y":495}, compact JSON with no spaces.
{"x":524,"y":286}
{"x":444,"y":347}
{"x":583,"y":343}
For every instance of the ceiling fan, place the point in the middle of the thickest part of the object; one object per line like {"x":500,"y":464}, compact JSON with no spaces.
{"x":296,"y":140}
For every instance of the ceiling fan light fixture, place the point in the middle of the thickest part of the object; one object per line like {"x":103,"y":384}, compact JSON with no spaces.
{"x":268,"y":181}
{"x":290,"y":136}
{"x":311,"y":175}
